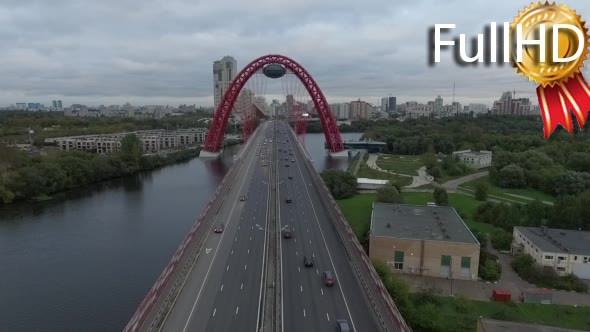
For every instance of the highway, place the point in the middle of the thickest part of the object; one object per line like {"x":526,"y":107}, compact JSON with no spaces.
{"x":308,"y":305}
{"x":224,"y":290}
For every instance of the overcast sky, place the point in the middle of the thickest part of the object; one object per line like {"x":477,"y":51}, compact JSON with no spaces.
{"x":161,"y":52}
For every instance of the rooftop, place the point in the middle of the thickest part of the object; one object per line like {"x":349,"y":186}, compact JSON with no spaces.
{"x":558,"y":240}
{"x":371,"y":181}
{"x":437,"y":223}
{"x":472,"y":153}
{"x":492,"y":325}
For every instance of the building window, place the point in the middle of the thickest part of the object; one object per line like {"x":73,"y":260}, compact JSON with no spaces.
{"x":549,"y":257}
{"x":561,"y":268}
{"x":445,"y":265}
{"x":465,"y":266}
{"x":585,"y":259}
{"x":561,"y":258}
{"x":575,"y":258}
{"x":398,"y":260}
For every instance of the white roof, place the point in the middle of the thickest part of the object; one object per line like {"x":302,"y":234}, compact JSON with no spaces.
{"x":371,"y":181}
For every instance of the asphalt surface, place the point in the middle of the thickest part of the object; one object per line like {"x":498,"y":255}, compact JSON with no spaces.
{"x":224,"y":287}
{"x":223,"y":290}
{"x":309,"y":305}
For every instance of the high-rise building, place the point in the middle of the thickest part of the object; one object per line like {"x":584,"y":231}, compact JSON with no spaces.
{"x":384,"y":102}
{"x":21,"y":106}
{"x":341,"y":111}
{"x":438,"y":105}
{"x":224,"y":71}
{"x":392,"y":105}
{"x":59,"y":105}
{"x":360,"y":109}
{"x":507,"y":105}
{"x":54,"y":104}
{"x":478,"y":108}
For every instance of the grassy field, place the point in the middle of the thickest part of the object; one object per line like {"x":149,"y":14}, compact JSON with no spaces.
{"x":367,"y":172}
{"x":400,"y":164}
{"x":507,"y":193}
{"x":459,"y":314}
{"x":357,"y":210}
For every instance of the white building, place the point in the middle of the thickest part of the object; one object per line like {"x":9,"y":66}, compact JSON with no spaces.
{"x":478,"y":108}
{"x":566,"y":251}
{"x":370,"y":184}
{"x":152,"y":140}
{"x":474,"y":159}
{"x":224,"y":71}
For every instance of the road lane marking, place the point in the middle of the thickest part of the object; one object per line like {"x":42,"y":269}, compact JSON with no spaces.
{"x":221,"y":289}
{"x":242,"y":286}
{"x":322,"y":290}
{"x":216,"y":249}
{"x":328,"y":316}
{"x":299,"y":268}
{"x":245,"y":266}
{"x":301,"y":288}
{"x":227,"y":269}
{"x":214,"y":311}
{"x":237,"y":309}
{"x":303,"y":312}
{"x":232,"y":252}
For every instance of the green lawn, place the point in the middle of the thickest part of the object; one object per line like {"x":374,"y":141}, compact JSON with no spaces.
{"x":505,"y":192}
{"x":357,"y":210}
{"x":459,"y":314}
{"x":367,"y":172}
{"x":400,"y":164}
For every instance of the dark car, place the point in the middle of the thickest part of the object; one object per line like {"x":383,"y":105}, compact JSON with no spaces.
{"x":286,"y":165}
{"x":286,"y":233}
{"x":308,"y":261}
{"x":328,"y":278}
{"x":242,"y":198}
{"x":288,"y":200}
{"x":290,"y":177}
{"x":219,"y":228}
{"x":342,"y":325}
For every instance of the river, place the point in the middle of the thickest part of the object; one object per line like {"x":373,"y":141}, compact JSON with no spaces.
{"x":85,"y":260}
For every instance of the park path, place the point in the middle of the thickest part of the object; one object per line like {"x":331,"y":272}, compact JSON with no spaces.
{"x":453,"y":184}
{"x":417,"y":180}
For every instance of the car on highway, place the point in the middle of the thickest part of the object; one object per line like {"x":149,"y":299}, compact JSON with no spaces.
{"x":342,"y":325}
{"x":286,"y":233}
{"x":256,"y":154}
{"x":290,"y":177}
{"x":328,"y":278}
{"x":307,"y":261}
{"x":286,"y":165}
{"x":219,"y":228}
{"x":290,"y":153}
{"x":288,"y":200}
{"x":242,"y":198}
{"x":292,"y":160}
{"x":264,"y":164}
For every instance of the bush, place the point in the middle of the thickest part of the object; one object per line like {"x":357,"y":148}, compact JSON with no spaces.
{"x":490,"y":270}
{"x":440,"y":196}
{"x":341,"y":184}
{"x":481,"y":191}
{"x":388,"y":194}
{"x":524,"y":265}
{"x":501,"y":240}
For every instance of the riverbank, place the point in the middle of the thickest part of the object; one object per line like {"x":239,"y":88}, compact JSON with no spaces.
{"x":41,"y":178}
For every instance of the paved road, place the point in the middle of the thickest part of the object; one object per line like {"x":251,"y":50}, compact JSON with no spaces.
{"x":223,"y":290}
{"x":308,"y":305}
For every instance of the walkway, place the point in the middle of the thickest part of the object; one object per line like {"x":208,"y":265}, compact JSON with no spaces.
{"x":420,"y":180}
{"x":453,"y":184}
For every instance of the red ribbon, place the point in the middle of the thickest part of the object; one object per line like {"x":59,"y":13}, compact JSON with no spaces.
{"x":558,"y":101}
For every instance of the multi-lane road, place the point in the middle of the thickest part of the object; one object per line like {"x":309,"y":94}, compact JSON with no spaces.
{"x":226,"y":288}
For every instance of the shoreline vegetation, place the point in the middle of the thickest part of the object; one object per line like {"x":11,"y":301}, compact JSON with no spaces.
{"x":25,"y":177}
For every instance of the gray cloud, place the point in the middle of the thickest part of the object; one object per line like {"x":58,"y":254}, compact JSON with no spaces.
{"x":149,"y":51}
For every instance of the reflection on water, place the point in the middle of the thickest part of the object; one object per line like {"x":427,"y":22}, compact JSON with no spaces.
{"x":84,"y":260}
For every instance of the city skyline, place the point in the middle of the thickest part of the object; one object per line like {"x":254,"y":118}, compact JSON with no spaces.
{"x":354,"y":50}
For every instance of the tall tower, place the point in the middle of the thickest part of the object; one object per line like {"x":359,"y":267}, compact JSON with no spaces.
{"x":224,"y":71}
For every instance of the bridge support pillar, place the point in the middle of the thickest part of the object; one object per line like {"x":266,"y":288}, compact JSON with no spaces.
{"x":341,"y":154}
{"x":209,"y":155}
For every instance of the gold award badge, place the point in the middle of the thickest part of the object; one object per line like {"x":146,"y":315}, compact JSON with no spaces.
{"x":552,"y":44}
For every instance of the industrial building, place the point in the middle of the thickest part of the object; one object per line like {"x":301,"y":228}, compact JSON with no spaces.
{"x":566,"y":251}
{"x":423,"y":240}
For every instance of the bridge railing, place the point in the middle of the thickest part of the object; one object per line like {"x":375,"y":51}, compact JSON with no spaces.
{"x":161,"y":297}
{"x":385,"y":309}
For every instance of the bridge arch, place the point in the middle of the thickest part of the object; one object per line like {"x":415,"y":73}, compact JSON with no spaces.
{"x":219,"y":123}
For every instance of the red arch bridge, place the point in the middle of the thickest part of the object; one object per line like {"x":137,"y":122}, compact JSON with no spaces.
{"x":214,"y":140}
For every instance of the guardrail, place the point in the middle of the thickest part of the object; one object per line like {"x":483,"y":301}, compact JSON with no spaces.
{"x":172,"y":278}
{"x":385,"y":309}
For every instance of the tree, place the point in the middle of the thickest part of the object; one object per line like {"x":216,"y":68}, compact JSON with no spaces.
{"x":490,"y":270}
{"x":388,"y":194}
{"x":501,"y":240}
{"x":131,"y":150}
{"x":481,"y":191}
{"x":511,"y":176}
{"x":341,"y":184}
{"x":440,"y":196}
{"x":429,"y":160}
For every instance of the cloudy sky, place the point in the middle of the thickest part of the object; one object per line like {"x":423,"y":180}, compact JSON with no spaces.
{"x":161,"y":52}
